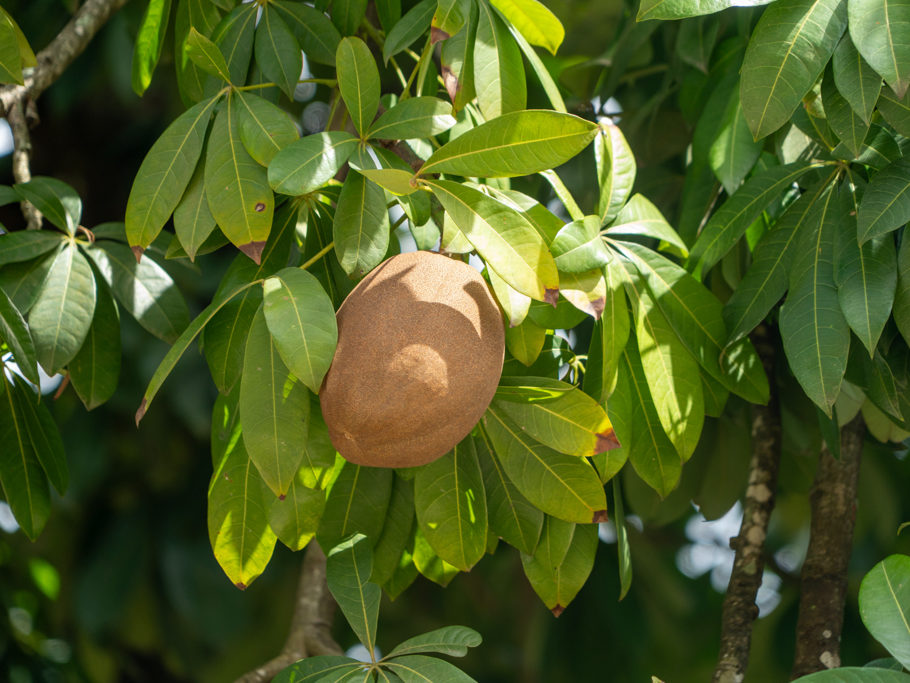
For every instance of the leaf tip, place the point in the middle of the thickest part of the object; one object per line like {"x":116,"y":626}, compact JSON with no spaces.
{"x":600,"y":516}
{"x":282,"y":496}
{"x":141,"y":412}
{"x":557,"y":610}
{"x":137,"y":252}
{"x":438,"y":35}
{"x":241,"y":585}
{"x":551,"y":295}
{"x":606,"y":441}
{"x":253,"y":250}
{"x":597,"y":307}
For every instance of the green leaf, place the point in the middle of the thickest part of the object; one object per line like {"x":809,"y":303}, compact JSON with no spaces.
{"x":457,"y":62}
{"x":14,"y":332}
{"x":499,"y":74}
{"x":519,"y":143}
{"x":358,"y":82}
{"x":415,"y":117}
{"x":193,"y":221}
{"x":611,"y":334}
{"x":95,"y":369}
{"x":731,"y":220}
{"x":696,"y":316}
{"x":678,"y":9}
{"x":450,"y":18}
{"x":409,"y":28}
{"x":878,"y":29}
{"x":503,"y":237}
{"x":44,"y":436}
{"x":144,"y":289}
{"x":672,"y":373}
{"x":23,"y":245}
{"x":880,"y":385}
{"x":768,"y":276}
{"x":361,"y":226}
{"x":62,"y":314}
{"x":585,"y":291}
{"x":149,"y":43}
{"x":734,"y":151}
{"x":348,"y":15}
{"x":561,"y":485}
{"x":514,"y":304}
{"x":884,"y":604}
{"x":846,"y":123}
{"x":206,"y":55}
{"x":348,"y":568}
{"x":791,"y":44}
{"x":562,"y":562}
{"x":320,"y":669}
{"x":578,"y":246}
{"x":640,"y":217}
{"x":856,"y":81}
{"x":453,"y":641}
{"x":642,"y":438}
{"x":164,"y":174}
{"x":622,"y":541}
{"x":422,"y":669}
{"x":429,"y":564}
{"x":307,"y":164}
{"x":896,"y":111}
{"x":815,"y":335}
{"x":615,"y":170}
{"x":274,"y":409}
{"x":224,"y":339}
{"x":356,"y":504}
{"x":525,"y":341}
{"x":315,"y":32}
{"x":238,"y":505}
{"x":866,"y":280}
{"x":696,"y":41}
{"x":204,"y":17}
{"x":394,"y":180}
{"x":183,"y":342}
{"x":856,"y":674}
{"x":10,"y":58}
{"x":511,"y":516}
{"x":570,"y":422}
{"x":886,"y":202}
{"x":234,"y":36}
{"x":396,"y":532}
{"x":58,"y":201}
{"x":534,"y":21}
{"x":451,"y":506}
{"x":236,"y":187}
{"x":24,"y":282}
{"x":277,"y":51}
{"x":23,"y":483}
{"x":901,"y":308}
{"x":301,"y":319}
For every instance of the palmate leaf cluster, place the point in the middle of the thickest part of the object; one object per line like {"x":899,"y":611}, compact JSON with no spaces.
{"x":311,"y":216}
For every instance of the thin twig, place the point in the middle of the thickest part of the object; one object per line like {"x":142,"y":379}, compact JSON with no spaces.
{"x":311,"y":626}
{"x":740,"y":610}
{"x":823,"y":581}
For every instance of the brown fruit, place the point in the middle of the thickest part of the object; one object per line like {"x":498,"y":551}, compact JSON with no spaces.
{"x":420,"y":351}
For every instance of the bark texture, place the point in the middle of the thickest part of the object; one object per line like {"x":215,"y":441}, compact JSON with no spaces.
{"x":823,"y":581}
{"x":739,"y":609}
{"x":311,"y":626}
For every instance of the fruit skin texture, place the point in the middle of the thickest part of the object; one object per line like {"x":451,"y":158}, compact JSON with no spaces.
{"x":420,"y":351}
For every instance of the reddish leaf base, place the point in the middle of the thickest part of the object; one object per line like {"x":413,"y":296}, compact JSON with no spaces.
{"x":137,"y":252}
{"x":253,"y":250}
{"x":437,"y":34}
{"x":141,"y":412}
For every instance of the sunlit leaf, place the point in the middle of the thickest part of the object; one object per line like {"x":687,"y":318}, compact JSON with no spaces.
{"x":306,"y":165}
{"x":149,"y":43}
{"x":361,"y":226}
{"x":499,"y":75}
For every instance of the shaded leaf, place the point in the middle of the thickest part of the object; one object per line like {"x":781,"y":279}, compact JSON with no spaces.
{"x":356,"y":503}
{"x":95,"y":369}
{"x":453,"y":641}
{"x":884,"y":604}
{"x":409,"y":28}
{"x":562,"y":562}
{"x":14,"y":333}
{"x":878,"y":29}
{"x":206,"y":55}
{"x":856,"y":81}
{"x":23,"y":245}
{"x":423,"y":669}
{"x":348,"y":568}
{"x":149,"y":42}
{"x":415,"y":117}
{"x":306,"y":164}
{"x":193,"y":221}
{"x":54,"y":198}
{"x":315,"y":32}
{"x":885,"y":205}
{"x":361,"y":225}
{"x":358,"y":82}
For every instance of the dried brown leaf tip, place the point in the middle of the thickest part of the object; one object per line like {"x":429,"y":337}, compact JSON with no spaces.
{"x":241,"y":585}
{"x":551,"y":296}
{"x":437,"y":35}
{"x":599,"y":516}
{"x":597,"y":306}
{"x":137,"y":252}
{"x":253,"y":250}
{"x":141,"y":412}
{"x":606,"y":441}
{"x":559,"y":609}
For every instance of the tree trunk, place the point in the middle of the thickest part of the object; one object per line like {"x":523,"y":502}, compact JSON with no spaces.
{"x":823,"y":582}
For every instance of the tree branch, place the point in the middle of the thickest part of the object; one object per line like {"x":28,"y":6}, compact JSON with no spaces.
{"x":740,"y":610}
{"x":63,"y":49}
{"x":311,"y":626}
{"x":22,"y":150}
{"x":823,"y":582}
